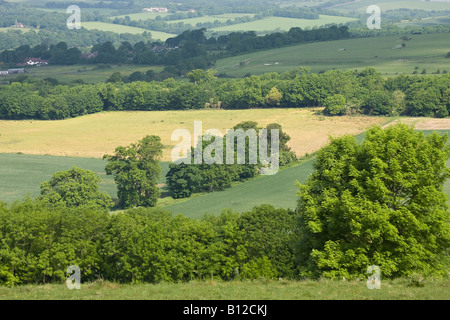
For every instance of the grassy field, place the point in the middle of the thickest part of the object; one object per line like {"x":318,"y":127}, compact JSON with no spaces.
{"x":87,"y":73}
{"x":71,"y":140}
{"x":193,"y":21}
{"x":444,"y":20}
{"x":26,"y":172}
{"x":361,"y":5}
{"x":398,"y":289}
{"x":6,"y":29}
{"x":279,"y":190}
{"x":309,"y":130}
{"x":22,"y":174}
{"x":104,"y":26}
{"x":103,"y":11}
{"x":142,"y":15}
{"x":212,"y":18}
{"x":423,"y":51}
{"x":284,"y":24}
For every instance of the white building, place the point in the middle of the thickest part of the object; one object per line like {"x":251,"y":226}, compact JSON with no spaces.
{"x":160,"y":10}
{"x":36,"y":62}
{"x":11,"y":71}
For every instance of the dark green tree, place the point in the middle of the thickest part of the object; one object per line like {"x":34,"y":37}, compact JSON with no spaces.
{"x":75,"y":188}
{"x":379,"y":102}
{"x":116,"y":77}
{"x":335,"y":105}
{"x":136,"y":171}
{"x":378,"y":203}
{"x":183,"y":179}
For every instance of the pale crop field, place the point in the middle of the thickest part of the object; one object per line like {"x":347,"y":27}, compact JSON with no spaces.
{"x":98,"y":134}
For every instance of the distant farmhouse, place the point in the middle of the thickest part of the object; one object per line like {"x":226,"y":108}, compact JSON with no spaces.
{"x":18,"y":25}
{"x":155,"y":10}
{"x":89,"y":55}
{"x":35,"y":62}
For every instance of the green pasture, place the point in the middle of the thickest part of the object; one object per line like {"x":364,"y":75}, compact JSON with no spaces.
{"x":283,"y":24}
{"x":87,"y":73}
{"x":22,"y":175}
{"x":143,"y":15}
{"x":384,"y":5}
{"x":444,"y":20}
{"x":279,"y":190}
{"x":6,"y":29}
{"x":118,"y":28}
{"x":212,"y":18}
{"x":264,"y":289}
{"x":425,"y":51}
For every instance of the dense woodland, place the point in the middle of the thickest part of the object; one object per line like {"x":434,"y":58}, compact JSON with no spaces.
{"x":339,"y":92}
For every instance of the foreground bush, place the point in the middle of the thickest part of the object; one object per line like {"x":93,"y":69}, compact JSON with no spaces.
{"x":39,"y":242}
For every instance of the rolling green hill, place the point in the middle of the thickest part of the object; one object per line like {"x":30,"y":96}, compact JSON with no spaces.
{"x":22,"y":174}
{"x":279,"y":190}
{"x":361,"y":5}
{"x":284,"y":24}
{"x":104,"y":26}
{"x":88,"y":73}
{"x":426,"y":51}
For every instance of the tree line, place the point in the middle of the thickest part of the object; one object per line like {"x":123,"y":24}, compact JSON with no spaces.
{"x":339,"y":92}
{"x":51,"y":27}
{"x":191,"y":47}
{"x":169,"y":24}
{"x":189,"y":177}
{"x":379,"y":202}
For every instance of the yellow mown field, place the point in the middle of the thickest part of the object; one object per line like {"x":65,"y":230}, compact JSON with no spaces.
{"x":97,"y":134}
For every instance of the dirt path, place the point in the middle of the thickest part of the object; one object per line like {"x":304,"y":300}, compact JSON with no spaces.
{"x":424,"y":123}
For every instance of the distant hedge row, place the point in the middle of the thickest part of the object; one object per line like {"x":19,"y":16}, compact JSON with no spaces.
{"x":39,"y":243}
{"x":340,"y":92}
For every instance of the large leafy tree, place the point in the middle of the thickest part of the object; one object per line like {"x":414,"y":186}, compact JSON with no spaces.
{"x":380,"y":202}
{"x":183,"y":179}
{"x":75,"y":188}
{"x":136,"y":170}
